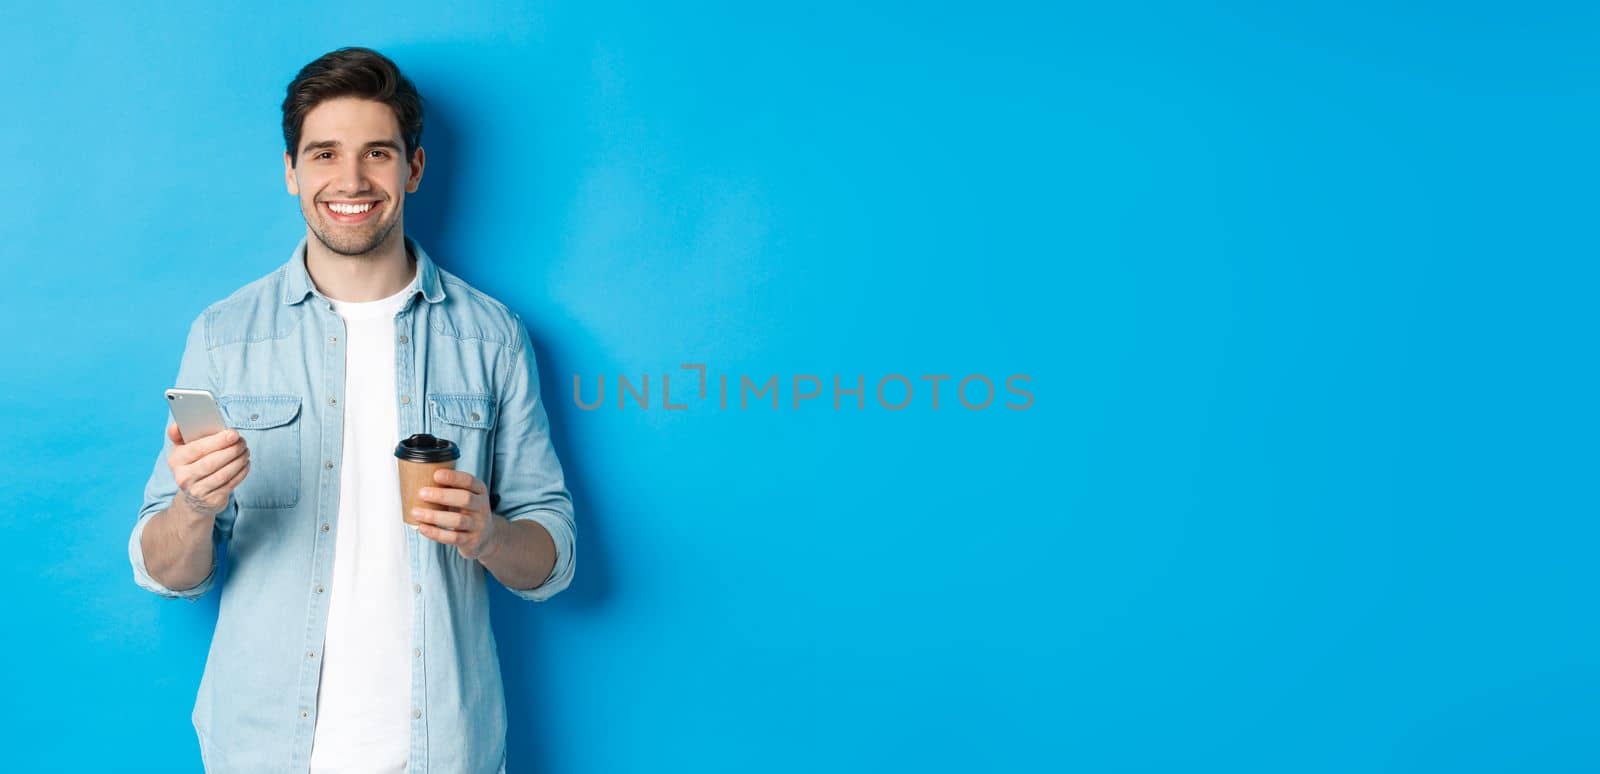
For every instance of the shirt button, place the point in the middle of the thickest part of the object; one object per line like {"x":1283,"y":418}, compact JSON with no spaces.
{"x":311,"y":654}
{"x":328,"y":464}
{"x":416,"y":713}
{"x":417,"y":652}
{"x":324,"y":528}
{"x":303,"y":713}
{"x":474,"y":416}
{"x":416,"y":588}
{"x":254,"y":417}
{"x":403,"y":339}
{"x":333,"y":339}
{"x":319,"y":588}
{"x":333,"y":401}
{"x":405,"y":399}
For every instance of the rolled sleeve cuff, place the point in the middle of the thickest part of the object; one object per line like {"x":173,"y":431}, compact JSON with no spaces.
{"x":561,"y":534}
{"x":142,"y":576}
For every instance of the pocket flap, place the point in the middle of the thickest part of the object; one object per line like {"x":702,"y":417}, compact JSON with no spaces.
{"x":468,"y":409}
{"x":255,"y":412}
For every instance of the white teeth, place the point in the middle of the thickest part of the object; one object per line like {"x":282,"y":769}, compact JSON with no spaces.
{"x":350,"y":209}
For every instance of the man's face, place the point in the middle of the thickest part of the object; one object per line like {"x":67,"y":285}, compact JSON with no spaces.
{"x":352,"y":158}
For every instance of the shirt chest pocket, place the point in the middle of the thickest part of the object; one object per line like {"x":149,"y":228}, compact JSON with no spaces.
{"x":270,"y":427}
{"x":468,"y":419}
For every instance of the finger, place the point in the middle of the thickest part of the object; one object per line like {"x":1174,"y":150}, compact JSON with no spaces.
{"x":459,"y":479}
{"x":238,"y":478}
{"x":218,"y":440}
{"x":456,"y":498}
{"x":215,"y":481}
{"x":215,"y":461}
{"x":204,"y":445}
{"x":182,"y":453}
{"x":231,"y":484}
{"x":439,"y":535}
{"x":446,"y":519}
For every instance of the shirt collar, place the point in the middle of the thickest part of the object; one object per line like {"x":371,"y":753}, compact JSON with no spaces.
{"x":298,"y":283}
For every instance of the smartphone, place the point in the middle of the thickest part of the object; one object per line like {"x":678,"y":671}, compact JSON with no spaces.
{"x":196,"y":413}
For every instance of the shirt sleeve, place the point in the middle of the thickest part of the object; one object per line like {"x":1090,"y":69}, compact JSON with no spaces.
{"x":528,"y":481}
{"x":194,"y":372}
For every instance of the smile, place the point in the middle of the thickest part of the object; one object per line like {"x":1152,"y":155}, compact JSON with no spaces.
{"x":349,"y":212}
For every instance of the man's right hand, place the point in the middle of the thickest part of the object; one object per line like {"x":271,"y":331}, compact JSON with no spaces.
{"x":207,"y":469}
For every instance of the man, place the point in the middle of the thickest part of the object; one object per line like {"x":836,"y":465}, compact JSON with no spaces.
{"x":345,"y":641}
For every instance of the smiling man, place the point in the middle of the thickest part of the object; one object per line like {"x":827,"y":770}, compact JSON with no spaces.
{"x":345,"y":641}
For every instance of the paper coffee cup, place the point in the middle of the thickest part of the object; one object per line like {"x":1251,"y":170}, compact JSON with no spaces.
{"x":419,"y":456}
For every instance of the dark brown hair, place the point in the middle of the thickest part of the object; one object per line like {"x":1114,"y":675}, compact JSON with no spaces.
{"x":352,"y":71}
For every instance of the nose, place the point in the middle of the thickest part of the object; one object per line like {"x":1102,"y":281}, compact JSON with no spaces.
{"x":350,"y":180}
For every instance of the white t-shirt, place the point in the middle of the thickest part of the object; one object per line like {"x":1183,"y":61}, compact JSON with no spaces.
{"x":364,"y":700}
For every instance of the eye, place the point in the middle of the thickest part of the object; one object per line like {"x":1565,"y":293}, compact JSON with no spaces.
{"x":320,"y":154}
{"x":381,"y":153}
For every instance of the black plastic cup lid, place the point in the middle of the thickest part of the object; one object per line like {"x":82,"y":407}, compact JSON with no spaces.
{"x":426,"y":448}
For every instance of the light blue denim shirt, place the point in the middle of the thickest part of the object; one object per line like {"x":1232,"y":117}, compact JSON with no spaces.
{"x":464,"y":369}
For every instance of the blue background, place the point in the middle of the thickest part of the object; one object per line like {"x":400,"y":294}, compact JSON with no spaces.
{"x":1307,"y":297}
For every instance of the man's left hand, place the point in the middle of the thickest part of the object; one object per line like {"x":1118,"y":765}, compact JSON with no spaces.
{"x":470,"y":527}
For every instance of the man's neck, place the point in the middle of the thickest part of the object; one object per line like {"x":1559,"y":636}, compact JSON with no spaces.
{"x":376,"y":275}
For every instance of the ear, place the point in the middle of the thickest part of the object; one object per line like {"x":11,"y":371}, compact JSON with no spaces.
{"x":288,"y":175}
{"x":417,"y":161}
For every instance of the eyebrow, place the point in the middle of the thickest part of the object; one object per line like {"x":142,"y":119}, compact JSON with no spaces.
{"x":322,"y":144}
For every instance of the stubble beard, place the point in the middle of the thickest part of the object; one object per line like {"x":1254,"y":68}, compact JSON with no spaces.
{"x":355,"y":244}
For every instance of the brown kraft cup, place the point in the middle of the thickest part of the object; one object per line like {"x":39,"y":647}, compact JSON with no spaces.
{"x":419,"y":456}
